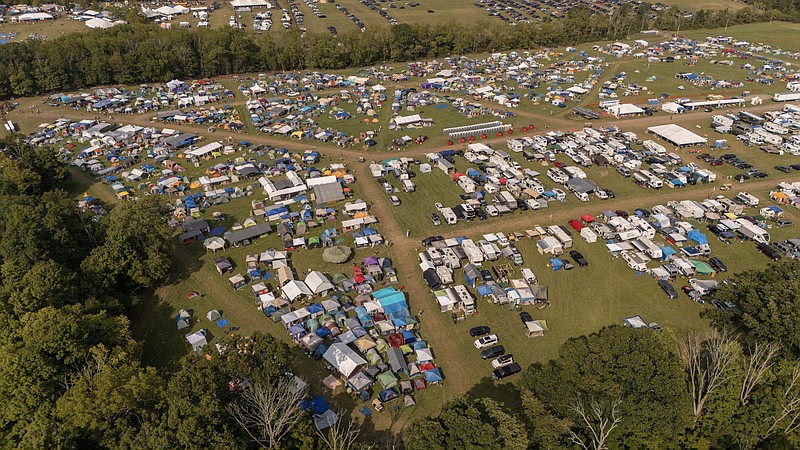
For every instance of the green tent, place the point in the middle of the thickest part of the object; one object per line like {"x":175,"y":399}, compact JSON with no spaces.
{"x":387,"y":380}
{"x":339,"y":277}
{"x":701,"y":267}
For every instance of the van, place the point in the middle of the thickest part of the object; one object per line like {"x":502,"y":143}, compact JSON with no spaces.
{"x":770,"y":252}
{"x":624,"y":171}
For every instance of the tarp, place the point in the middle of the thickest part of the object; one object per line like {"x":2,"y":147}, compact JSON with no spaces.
{"x":697,"y":236}
{"x":556,"y":263}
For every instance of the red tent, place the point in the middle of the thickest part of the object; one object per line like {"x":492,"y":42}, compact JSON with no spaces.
{"x":587,"y":219}
{"x":576,"y":224}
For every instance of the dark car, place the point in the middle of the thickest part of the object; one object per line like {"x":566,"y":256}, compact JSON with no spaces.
{"x":770,"y":252}
{"x":621,"y":213}
{"x":522,"y":205}
{"x":759,"y":175}
{"x":524,"y":316}
{"x":481,"y":214}
{"x":578,"y":258}
{"x":715,"y":162}
{"x":505,"y":371}
{"x":717,"y":264}
{"x":431,"y":239}
{"x":493,"y":352}
{"x":783,"y":169}
{"x":667,"y":288}
{"x":703,"y":156}
{"x":795,"y":166}
{"x":610,"y":193}
{"x":479,"y":331}
{"x":781,"y":223}
{"x":741,"y":176}
{"x":486,"y":275}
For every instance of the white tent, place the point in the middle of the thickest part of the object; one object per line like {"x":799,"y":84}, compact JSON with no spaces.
{"x":344,"y":359}
{"x":677,"y":135}
{"x":318,"y":282}
{"x":197,"y":340}
{"x":672,"y":108}
{"x":295,"y":289}
{"x":625,"y":109}
{"x":100,"y":23}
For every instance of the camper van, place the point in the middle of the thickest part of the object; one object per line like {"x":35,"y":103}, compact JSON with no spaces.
{"x":747,"y":199}
{"x":624,"y":171}
{"x":528,"y":275}
{"x":449,"y":216}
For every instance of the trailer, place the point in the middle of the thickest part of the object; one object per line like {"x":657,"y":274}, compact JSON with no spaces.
{"x":474,"y":254}
{"x":786,"y":97}
{"x":752,"y":232}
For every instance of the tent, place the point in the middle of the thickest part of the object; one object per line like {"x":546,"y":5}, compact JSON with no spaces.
{"x":214,"y":243}
{"x":432,"y":375}
{"x":387,"y":379}
{"x":344,"y":359}
{"x":336,"y":254}
{"x":318,"y":282}
{"x":197,"y":340}
{"x":295,"y":289}
{"x":183,"y":320}
{"x":213,"y":315}
{"x":325,"y":420}
{"x":677,"y":135}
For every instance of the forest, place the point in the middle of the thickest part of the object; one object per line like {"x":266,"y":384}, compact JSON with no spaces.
{"x":140,"y":52}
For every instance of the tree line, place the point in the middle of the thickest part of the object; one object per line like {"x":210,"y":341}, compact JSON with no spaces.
{"x":140,"y":52}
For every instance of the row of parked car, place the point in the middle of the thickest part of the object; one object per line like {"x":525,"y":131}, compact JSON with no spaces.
{"x":503,"y":363}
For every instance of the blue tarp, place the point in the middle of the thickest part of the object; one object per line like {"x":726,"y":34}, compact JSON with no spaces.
{"x":484,"y":290}
{"x":698,"y":237}
{"x":667,"y":251}
{"x":222,"y":323}
{"x":556,"y":263}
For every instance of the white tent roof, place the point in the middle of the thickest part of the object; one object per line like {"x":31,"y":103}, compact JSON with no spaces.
{"x":625,"y":108}
{"x":677,"y":135}
{"x":344,"y":359}
{"x":318,"y":282}
{"x":205,"y":150}
{"x":100,"y":23}
{"x":295,"y":289}
{"x":197,"y":340}
{"x":406,"y":120}
{"x":672,"y":107}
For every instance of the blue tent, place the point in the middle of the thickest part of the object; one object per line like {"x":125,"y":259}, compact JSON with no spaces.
{"x":698,"y":237}
{"x":433,"y":375}
{"x":667,"y":251}
{"x":296,"y":329}
{"x":556,"y":263}
{"x":316,"y":308}
{"x":322,"y":332}
{"x":318,"y":404}
{"x":387,"y":395}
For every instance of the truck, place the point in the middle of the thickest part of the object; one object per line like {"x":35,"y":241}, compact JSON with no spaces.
{"x":786,"y":96}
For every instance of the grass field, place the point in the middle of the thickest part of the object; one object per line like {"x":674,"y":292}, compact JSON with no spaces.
{"x":777,"y":34}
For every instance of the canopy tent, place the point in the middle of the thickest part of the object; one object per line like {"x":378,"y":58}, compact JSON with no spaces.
{"x":336,"y":254}
{"x":344,"y":359}
{"x":677,"y":135}
{"x":387,"y":379}
{"x":432,"y":375}
{"x":295,"y":289}
{"x":214,"y":243}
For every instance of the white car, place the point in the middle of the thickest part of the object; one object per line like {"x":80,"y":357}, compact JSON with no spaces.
{"x":438,"y":206}
{"x":502,"y":240}
{"x":503,"y":361}
{"x":492,"y":211}
{"x":395,"y":201}
{"x":486,"y":341}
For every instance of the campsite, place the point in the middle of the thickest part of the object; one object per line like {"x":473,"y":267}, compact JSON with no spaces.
{"x":300,"y":204}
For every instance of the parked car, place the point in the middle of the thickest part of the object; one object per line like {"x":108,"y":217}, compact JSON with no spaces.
{"x":438,"y":206}
{"x":479,"y":331}
{"x":486,"y":341}
{"x":486,"y":276}
{"x":395,"y":200}
{"x":667,"y":288}
{"x":481,"y":214}
{"x":503,"y":361}
{"x":492,"y":352}
{"x":782,"y":223}
{"x":505,"y":371}
{"x":431,"y":239}
{"x":770,"y":252}
{"x":717,"y":264}
{"x":578,"y":258}
{"x":691,"y":292}
{"x":567,"y":265}
{"x":525,"y":317}
{"x":435,"y":219}
{"x":783,"y":169}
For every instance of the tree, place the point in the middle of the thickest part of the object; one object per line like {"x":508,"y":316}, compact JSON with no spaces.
{"x":768,"y":300}
{"x":268,"y":412}
{"x":639,"y":371}
{"x":710,"y":362}
{"x":462,"y":423}
{"x":343,"y":435}
{"x":599,"y":421}
{"x":136,"y":245}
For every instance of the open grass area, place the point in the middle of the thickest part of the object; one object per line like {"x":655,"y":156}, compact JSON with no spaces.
{"x":777,"y":34}
{"x":49,"y":29}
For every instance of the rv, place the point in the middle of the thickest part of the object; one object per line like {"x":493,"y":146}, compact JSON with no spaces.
{"x":786,"y":96}
{"x":752,"y":232}
{"x":408,"y":186}
{"x":449,"y":216}
{"x":635,"y":260}
{"x":562,"y":236}
{"x":474,"y":254}
{"x":746,"y":199}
